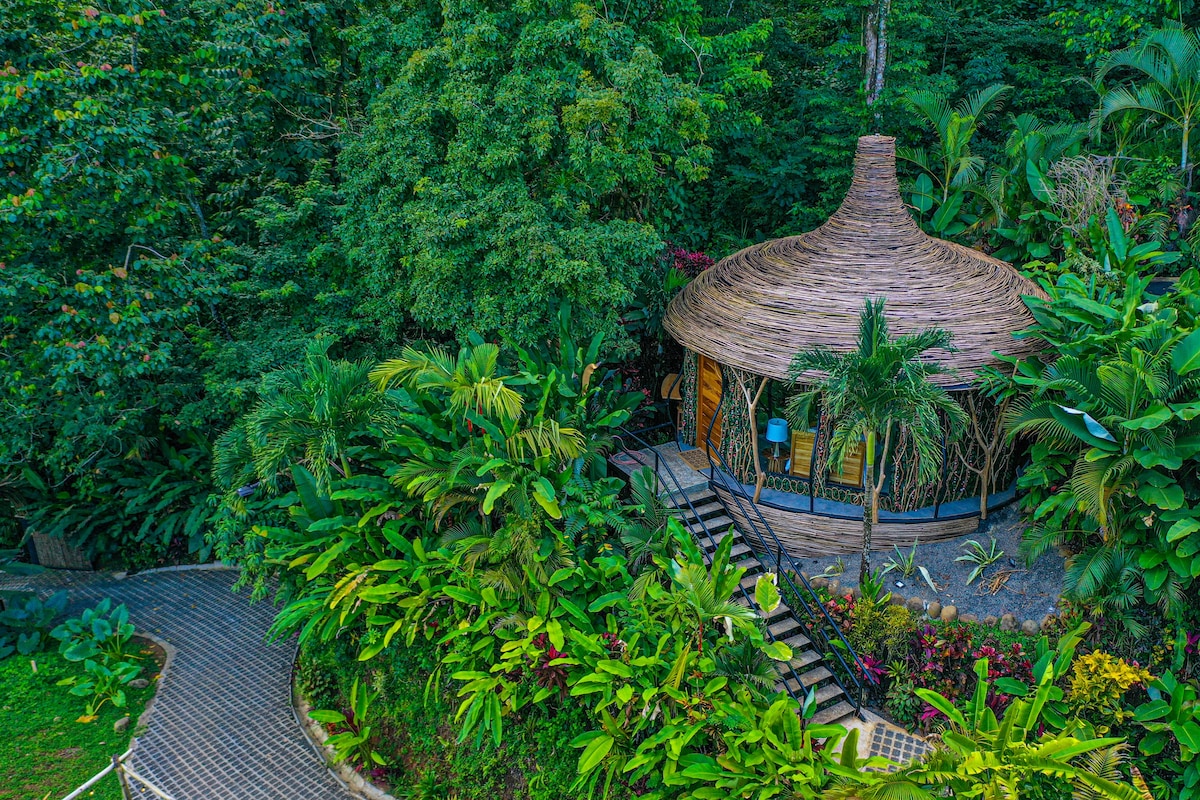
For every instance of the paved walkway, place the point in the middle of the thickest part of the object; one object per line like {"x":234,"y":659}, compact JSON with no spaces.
{"x":221,"y":726}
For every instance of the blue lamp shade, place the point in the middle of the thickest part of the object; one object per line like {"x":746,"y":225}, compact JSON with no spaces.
{"x":777,"y":430}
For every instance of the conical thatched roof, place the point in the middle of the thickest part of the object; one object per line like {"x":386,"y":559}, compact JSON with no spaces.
{"x":758,"y":307}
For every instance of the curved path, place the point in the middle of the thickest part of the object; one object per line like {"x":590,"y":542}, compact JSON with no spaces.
{"x":221,"y":726}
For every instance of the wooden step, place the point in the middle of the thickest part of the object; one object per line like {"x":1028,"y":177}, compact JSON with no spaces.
{"x":834,"y":713}
{"x":779,"y":611}
{"x":797,"y":641}
{"x":714,"y":526}
{"x":717,"y":535}
{"x":813,"y":676}
{"x":702,"y":511}
{"x":753,"y":566}
{"x":803,"y":659}
{"x":784,"y":629}
{"x":700,"y":497}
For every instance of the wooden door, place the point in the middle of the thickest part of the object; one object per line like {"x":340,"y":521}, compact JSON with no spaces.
{"x":708,"y":401}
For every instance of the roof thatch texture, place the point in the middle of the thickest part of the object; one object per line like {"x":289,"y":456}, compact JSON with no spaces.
{"x":756,"y":308}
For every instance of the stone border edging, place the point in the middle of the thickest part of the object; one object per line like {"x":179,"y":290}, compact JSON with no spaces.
{"x":351,"y":780}
{"x":935,"y":610}
{"x":215,"y":565}
{"x":143,"y":720}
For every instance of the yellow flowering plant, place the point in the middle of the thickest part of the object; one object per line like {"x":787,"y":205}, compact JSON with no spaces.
{"x":1098,"y":683}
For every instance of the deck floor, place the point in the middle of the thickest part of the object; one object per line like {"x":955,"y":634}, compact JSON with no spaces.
{"x":813,"y":526}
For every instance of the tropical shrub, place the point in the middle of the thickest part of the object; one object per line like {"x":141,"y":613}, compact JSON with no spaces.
{"x":99,"y":638}
{"x":355,"y":741}
{"x":25,"y":622}
{"x":1115,"y":426}
{"x":102,"y":632}
{"x":1171,"y":745}
{"x":1098,"y":687}
{"x":101,"y":682}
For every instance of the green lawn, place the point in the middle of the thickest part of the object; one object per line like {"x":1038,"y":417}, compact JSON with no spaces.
{"x":48,"y":753}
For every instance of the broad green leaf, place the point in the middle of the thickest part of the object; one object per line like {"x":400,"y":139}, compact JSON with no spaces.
{"x":1157,"y":415}
{"x":494,"y":493}
{"x":1185,"y":357}
{"x":1182,"y":528}
{"x":946,"y":213}
{"x":1041,"y":186}
{"x":778,"y":651}
{"x":1169,"y":497}
{"x":594,"y":753}
{"x":1188,"y":735}
{"x":615,"y":667}
{"x":922,"y":194}
{"x":766,"y":594}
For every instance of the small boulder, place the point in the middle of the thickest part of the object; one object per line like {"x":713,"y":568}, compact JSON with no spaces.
{"x":834,"y":588}
{"x":856,"y":593}
{"x":990,"y":620}
{"x":934,"y":610}
{"x":139,"y":683}
{"x":1030,"y":627}
{"x":968,"y":618}
{"x":897,"y":599}
{"x":121,"y":725}
{"x":1048,"y":621}
{"x":819,"y":582}
{"x":1008,"y":622}
{"x":916,"y":605}
{"x":949,"y":613}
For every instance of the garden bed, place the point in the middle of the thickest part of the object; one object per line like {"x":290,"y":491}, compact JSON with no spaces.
{"x":418,"y":733}
{"x":50,"y":753}
{"x":1028,"y":592}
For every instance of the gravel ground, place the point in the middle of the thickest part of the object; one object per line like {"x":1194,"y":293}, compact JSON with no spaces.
{"x":1030,"y":592}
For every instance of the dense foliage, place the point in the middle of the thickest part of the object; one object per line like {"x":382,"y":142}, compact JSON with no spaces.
{"x":191,"y":191}
{"x":220,"y":218}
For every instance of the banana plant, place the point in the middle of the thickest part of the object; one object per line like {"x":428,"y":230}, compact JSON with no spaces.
{"x":1116,"y":251}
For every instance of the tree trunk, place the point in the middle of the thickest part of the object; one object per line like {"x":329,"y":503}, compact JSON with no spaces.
{"x":760,"y":476}
{"x":985,"y":484}
{"x":875,"y":42}
{"x":868,"y":509}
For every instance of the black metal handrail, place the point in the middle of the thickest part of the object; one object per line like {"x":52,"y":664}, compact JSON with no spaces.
{"x":712,"y":540}
{"x":788,"y":567}
{"x":856,"y":699}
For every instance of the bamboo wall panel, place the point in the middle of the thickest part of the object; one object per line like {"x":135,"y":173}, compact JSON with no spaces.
{"x":804,"y":534}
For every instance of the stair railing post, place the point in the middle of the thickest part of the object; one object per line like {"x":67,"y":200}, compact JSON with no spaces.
{"x":119,"y":769}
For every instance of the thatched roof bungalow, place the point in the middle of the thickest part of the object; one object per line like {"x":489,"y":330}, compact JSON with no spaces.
{"x":742,"y":321}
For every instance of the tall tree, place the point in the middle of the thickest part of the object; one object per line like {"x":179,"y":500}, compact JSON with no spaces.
{"x":1168,"y":61}
{"x":871,"y":392}
{"x":521,"y":153}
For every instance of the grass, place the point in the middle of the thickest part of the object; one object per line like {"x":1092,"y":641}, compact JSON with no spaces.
{"x":48,"y":753}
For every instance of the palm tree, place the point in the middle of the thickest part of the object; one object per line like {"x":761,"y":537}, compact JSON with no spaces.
{"x":871,"y":392}
{"x":496,"y":458}
{"x":700,"y":595}
{"x":470,"y":381}
{"x":306,"y":415}
{"x":1169,"y":59}
{"x":950,"y":165}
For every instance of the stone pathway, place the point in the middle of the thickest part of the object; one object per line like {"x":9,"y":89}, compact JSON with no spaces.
{"x":221,"y":726}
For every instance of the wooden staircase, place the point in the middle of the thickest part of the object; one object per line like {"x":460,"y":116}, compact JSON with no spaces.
{"x":710,"y":525}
